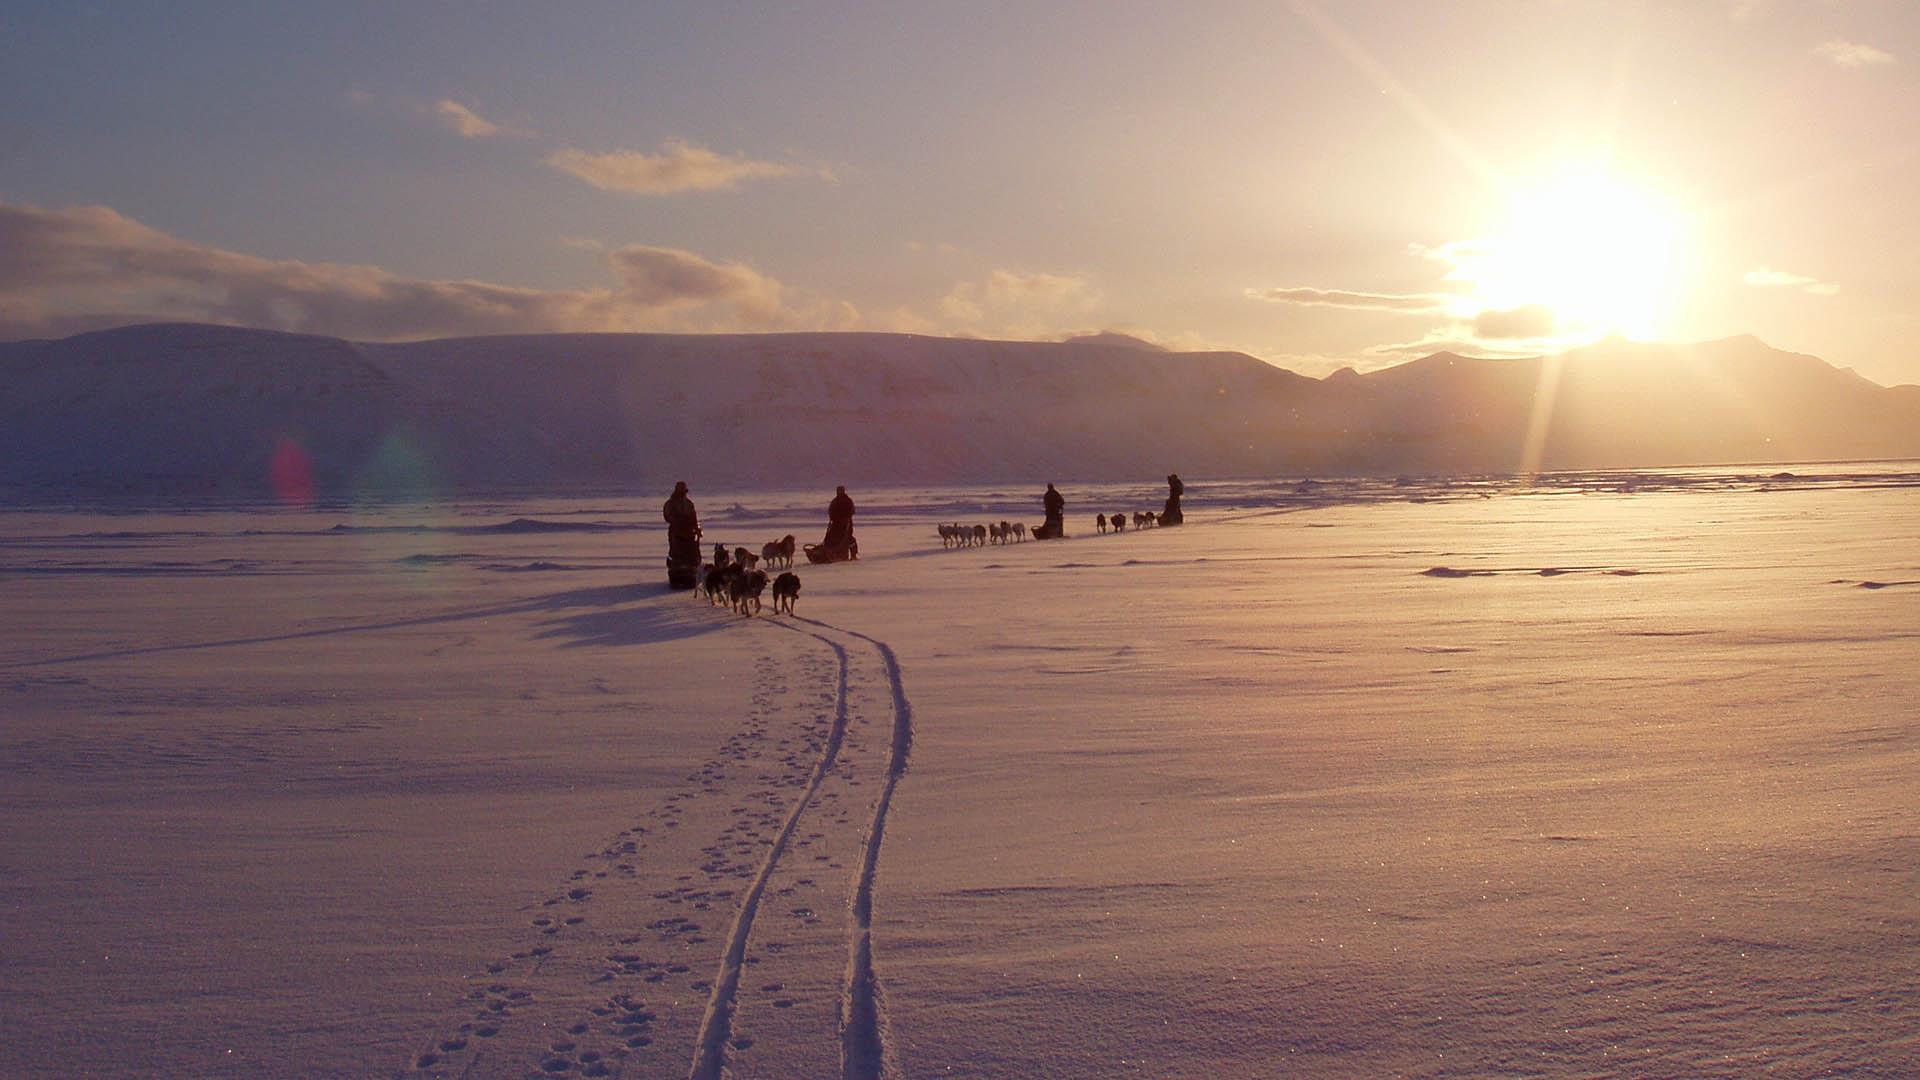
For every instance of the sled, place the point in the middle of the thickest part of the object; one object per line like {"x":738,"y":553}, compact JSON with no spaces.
{"x":682,"y":575}
{"x":821,"y":553}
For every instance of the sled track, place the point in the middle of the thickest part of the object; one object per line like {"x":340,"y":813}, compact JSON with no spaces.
{"x":711,"y":1042}
{"x":864,"y":1038}
{"x":865,"y":1046}
{"x":612,"y":1038}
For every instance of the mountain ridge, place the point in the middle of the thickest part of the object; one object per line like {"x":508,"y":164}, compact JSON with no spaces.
{"x":185,"y":407}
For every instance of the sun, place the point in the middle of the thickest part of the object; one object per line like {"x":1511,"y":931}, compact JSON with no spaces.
{"x":1589,"y":251}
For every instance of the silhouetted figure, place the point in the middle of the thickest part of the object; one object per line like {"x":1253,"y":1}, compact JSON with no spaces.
{"x":1056,"y":507}
{"x":1172,"y":515}
{"x":839,"y":543}
{"x":683,"y":538}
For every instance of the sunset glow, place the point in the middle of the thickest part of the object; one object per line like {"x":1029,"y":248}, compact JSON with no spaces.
{"x":1318,"y":185}
{"x":1328,"y":539}
{"x":1597,"y":253}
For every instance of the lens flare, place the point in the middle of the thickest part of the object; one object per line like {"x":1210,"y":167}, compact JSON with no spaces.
{"x":290,"y":474}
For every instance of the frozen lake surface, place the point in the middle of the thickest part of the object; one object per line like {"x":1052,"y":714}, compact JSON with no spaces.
{"x":1616,"y":775}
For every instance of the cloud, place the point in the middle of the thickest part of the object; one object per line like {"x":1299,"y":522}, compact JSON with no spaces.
{"x":1508,"y":332}
{"x":88,"y":267}
{"x":1533,"y":321}
{"x":1852,"y":54}
{"x":1341,"y":298}
{"x":1016,"y":298}
{"x":1447,"y":339}
{"x":902,"y":320}
{"x":656,"y":277}
{"x":1766,"y":277}
{"x":679,"y":166}
{"x":1047,"y":290}
{"x":470,"y":124}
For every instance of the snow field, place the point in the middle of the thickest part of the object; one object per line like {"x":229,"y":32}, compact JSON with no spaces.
{"x":1579,"y":783}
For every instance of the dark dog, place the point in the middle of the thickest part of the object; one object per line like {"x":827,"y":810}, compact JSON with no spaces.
{"x":778,"y":553}
{"x":1119,"y":522}
{"x":1101,"y":522}
{"x":786,"y":589}
{"x":745,"y":589}
{"x":716,"y":581}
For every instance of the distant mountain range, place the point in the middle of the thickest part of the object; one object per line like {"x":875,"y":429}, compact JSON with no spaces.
{"x":192,"y":409}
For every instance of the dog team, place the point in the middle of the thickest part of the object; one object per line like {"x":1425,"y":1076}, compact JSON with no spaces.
{"x":735,"y":578}
{"x":994,"y":532}
{"x":957,"y":535}
{"x":1118,"y":522}
{"x":738,"y":572}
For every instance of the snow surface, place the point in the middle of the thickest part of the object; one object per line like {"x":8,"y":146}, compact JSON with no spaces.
{"x":1611,"y":776}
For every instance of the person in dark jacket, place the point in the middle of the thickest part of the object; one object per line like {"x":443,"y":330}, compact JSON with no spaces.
{"x":683,"y":538}
{"x":1056,"y":508}
{"x":840,"y":524}
{"x":1171,"y":515}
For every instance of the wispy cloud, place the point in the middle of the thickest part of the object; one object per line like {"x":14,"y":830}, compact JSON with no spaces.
{"x":1766,"y":277}
{"x":1443,"y":339}
{"x":1463,"y":325}
{"x":86,"y":267}
{"x":470,"y":124}
{"x":1852,"y":54}
{"x":679,"y":166}
{"x":1014,"y":298}
{"x":1532,"y":322}
{"x":1412,"y":303}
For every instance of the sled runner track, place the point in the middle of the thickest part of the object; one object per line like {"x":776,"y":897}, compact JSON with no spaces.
{"x":865,"y":1053}
{"x":710,"y":1045}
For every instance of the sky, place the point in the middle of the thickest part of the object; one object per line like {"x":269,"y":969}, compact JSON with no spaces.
{"x":1321,"y":184}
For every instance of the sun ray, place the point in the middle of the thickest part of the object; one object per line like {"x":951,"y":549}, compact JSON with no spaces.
{"x":1409,"y":102}
{"x":1540,"y":420}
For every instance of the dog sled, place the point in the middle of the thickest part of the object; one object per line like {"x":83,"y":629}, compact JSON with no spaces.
{"x":682,"y":575}
{"x":838,"y":545}
{"x":823,"y":553}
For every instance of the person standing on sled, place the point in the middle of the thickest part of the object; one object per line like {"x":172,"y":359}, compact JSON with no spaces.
{"x":683,"y":538}
{"x":1056,"y":508}
{"x":840,"y":524}
{"x":1172,"y":515}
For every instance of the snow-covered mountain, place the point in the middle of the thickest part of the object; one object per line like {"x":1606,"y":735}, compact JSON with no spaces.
{"x":207,"y":409}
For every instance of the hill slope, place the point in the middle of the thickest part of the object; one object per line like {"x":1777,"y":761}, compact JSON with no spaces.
{"x":165,"y":408}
